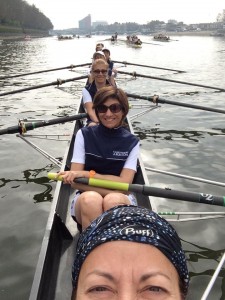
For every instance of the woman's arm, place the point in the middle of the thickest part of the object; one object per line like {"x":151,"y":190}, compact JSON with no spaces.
{"x":90,"y":111}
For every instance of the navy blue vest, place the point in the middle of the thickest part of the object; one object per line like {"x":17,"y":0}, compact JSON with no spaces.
{"x":106,"y":150}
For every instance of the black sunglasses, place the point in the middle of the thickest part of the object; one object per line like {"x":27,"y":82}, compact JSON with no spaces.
{"x":114,"y":108}
{"x":103,"y":71}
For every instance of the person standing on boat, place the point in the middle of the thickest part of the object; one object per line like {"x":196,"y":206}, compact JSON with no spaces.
{"x":107,"y":151}
{"x":130,"y":253}
{"x":99,"y":71}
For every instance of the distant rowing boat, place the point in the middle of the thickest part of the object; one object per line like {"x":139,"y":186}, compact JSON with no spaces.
{"x":161,"y":37}
{"x":134,"y":41}
{"x":134,"y":45}
{"x":65,"y":37}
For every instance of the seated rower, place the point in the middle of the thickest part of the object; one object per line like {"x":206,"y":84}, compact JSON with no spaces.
{"x":98,"y":148}
{"x":99,"y":71}
{"x":99,"y":47}
{"x":130,"y":253}
{"x":96,"y":55}
{"x":112,"y":73}
{"x":104,"y":54}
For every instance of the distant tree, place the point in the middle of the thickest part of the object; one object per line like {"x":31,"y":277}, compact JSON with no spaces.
{"x":221,"y":16}
{"x":154,"y":25}
{"x":19,"y":13}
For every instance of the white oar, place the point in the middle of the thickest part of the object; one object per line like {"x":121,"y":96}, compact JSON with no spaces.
{"x":186,"y":176}
{"x":213,"y":279}
{"x":44,"y":153}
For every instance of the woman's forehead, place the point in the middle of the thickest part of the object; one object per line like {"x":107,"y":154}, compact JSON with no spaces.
{"x":99,"y":64}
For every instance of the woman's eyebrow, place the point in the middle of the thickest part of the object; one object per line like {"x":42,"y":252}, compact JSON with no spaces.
{"x":102,"y":274}
{"x":153,"y":274}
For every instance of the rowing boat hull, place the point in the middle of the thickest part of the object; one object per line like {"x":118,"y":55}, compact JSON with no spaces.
{"x":52,"y":278}
{"x":134,"y":45}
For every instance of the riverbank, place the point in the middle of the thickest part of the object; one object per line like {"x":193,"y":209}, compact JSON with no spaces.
{"x":193,"y":33}
{"x":8,"y":32}
{"x":19,"y":37}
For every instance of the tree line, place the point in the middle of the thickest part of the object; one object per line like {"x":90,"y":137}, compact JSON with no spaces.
{"x":19,"y":13}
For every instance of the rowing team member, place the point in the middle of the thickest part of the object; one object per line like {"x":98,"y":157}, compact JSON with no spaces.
{"x":106,"y":151}
{"x":99,"y":70}
{"x":129,"y":253}
{"x":101,"y":74}
{"x":112,"y":72}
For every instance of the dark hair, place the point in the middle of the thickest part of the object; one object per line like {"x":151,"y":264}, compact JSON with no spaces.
{"x":111,"y":92}
{"x":106,"y":50}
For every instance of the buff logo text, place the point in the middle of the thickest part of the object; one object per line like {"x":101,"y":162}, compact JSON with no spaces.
{"x":137,"y":230}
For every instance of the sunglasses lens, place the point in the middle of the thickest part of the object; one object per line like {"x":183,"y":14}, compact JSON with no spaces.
{"x":114,"y":108}
{"x":100,"y":71}
{"x":102,"y":109}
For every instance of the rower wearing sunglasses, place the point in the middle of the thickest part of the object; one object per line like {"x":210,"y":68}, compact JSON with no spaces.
{"x":107,"y":151}
{"x":99,"y":72}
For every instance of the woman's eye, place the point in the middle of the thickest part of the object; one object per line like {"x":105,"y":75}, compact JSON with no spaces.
{"x":99,"y":289}
{"x":155,"y":289}
{"x":154,"y":293}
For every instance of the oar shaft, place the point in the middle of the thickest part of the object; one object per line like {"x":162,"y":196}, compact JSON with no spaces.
{"x":171,"y":80}
{"x":44,"y":71}
{"x":58,"y":82}
{"x":33,"y":125}
{"x":164,"y":101}
{"x":149,"y":191}
{"x":181,"y":195}
{"x":146,"y":66}
{"x":156,"y":192}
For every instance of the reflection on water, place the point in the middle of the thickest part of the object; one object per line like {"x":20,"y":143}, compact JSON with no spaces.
{"x":157,"y":135}
{"x":31,"y":176}
{"x":201,"y":256}
{"x":176,"y":139}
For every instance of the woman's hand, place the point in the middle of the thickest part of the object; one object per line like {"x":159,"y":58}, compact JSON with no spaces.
{"x":69,"y":176}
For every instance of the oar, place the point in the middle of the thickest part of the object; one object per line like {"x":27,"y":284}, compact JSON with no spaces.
{"x":213,"y":279}
{"x":148,"y":190}
{"x":58,"y":82}
{"x":23,"y":127}
{"x":134,"y":74}
{"x":44,"y":71}
{"x":146,"y":66}
{"x":159,"y":100}
{"x":151,"y":44}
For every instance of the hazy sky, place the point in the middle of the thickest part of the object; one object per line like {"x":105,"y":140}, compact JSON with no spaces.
{"x":67,"y":13}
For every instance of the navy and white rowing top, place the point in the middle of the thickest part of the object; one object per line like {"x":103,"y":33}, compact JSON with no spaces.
{"x":105,"y":150}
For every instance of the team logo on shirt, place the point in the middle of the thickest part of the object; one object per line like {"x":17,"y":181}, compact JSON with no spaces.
{"x":120,"y":153}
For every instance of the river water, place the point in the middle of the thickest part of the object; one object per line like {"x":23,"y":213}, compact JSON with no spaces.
{"x":173,"y":138}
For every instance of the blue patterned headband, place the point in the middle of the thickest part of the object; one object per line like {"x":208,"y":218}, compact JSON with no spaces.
{"x":135,"y":224}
